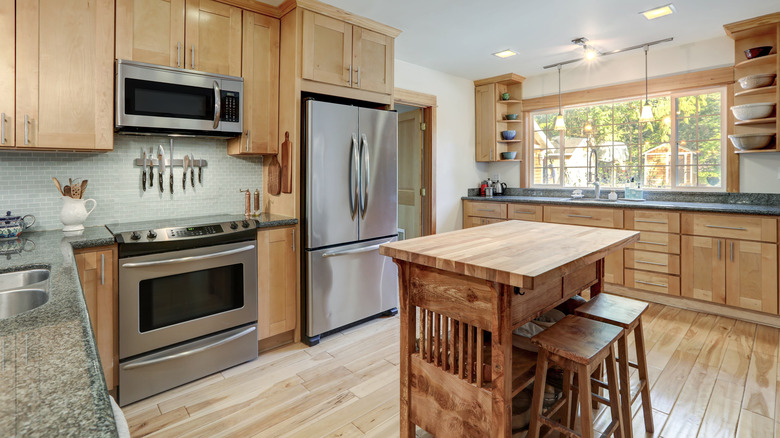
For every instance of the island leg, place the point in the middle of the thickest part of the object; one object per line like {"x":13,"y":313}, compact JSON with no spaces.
{"x":407,"y":314}
{"x":501,"y":345}
{"x":599,"y":286}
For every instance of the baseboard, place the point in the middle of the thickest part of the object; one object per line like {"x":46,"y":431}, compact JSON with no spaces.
{"x":695,"y":305}
{"x":272,"y":342}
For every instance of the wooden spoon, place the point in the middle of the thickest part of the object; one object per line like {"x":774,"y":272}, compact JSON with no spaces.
{"x":83,"y":188}
{"x":57,"y":183}
{"x":66,"y":191}
{"x":75,"y":191}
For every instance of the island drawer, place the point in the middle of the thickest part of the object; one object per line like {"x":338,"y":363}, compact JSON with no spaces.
{"x":525,"y":212}
{"x":485,"y":209}
{"x":728,"y":226}
{"x":648,"y":220}
{"x":658,"y":242}
{"x":473,"y":221}
{"x":588,"y":216}
{"x":652,"y":261}
{"x":653,"y":282}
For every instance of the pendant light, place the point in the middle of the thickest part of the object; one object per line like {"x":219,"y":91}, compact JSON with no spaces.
{"x":559,"y":123}
{"x":647,"y":109}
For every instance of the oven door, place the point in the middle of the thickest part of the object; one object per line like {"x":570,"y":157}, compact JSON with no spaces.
{"x":172,"y":297}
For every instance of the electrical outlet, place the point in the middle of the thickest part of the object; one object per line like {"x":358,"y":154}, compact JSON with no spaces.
{"x":497,"y":176}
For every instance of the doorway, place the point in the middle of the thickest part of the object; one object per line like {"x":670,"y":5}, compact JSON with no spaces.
{"x":416,"y":158}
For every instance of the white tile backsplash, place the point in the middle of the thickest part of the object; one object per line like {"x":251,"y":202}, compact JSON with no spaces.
{"x":26,"y":186}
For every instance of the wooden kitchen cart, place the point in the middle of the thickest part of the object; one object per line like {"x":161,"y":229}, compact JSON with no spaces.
{"x":457,"y":287}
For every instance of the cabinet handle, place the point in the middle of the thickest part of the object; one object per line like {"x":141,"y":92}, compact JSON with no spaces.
{"x":358,"y":78}
{"x":651,"y":284}
{"x":178,"y":54}
{"x":650,"y":263}
{"x":193,"y":57}
{"x":718,"y":249}
{"x":486,"y":209}
{"x":650,"y":221}
{"x":727,"y":228}
{"x":26,"y":129}
{"x":581,"y":216}
{"x":2,"y":128}
{"x":247,"y":140}
{"x":491,"y":155}
{"x":293,"y":240}
{"x":651,"y":243}
{"x":349,"y":82}
{"x":732,"y":251}
{"x":524,"y":212}
{"x":102,"y":269}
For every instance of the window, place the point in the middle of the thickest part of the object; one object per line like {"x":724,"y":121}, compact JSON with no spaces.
{"x":607,"y":141}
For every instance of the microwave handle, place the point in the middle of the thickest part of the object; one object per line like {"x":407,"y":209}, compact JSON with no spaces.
{"x":217,"y":104}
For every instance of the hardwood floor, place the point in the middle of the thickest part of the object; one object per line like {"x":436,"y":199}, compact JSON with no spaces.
{"x":711,"y":376}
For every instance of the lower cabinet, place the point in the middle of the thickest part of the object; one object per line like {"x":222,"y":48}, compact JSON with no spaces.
{"x":276,"y":282}
{"x":613,"y":267}
{"x":97,"y":268}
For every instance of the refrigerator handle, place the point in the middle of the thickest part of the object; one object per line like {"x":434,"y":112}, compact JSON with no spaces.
{"x":365,"y":175}
{"x":353,"y":177}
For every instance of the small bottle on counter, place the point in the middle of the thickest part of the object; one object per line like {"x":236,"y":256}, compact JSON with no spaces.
{"x":257,"y":203}
{"x":247,"y":202}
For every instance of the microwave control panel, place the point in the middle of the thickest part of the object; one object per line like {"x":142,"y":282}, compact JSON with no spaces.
{"x":230,"y":102}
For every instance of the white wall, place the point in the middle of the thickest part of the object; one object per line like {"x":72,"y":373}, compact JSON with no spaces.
{"x":456,"y":170}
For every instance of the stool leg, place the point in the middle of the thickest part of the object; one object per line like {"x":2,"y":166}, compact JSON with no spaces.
{"x":586,"y":411}
{"x":625,"y":384}
{"x":641,"y":359}
{"x":598,"y":374}
{"x":573,"y":413}
{"x":614,"y":396}
{"x":536,"y":401}
{"x":567,"y":416}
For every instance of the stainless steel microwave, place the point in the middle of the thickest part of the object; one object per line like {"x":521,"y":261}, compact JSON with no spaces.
{"x":155,"y":99}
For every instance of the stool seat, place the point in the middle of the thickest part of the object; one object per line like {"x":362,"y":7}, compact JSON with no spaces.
{"x":612,"y":309}
{"x":578,"y":339}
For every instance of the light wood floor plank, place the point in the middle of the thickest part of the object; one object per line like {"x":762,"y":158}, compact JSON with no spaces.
{"x":760,"y":389}
{"x":752,"y":425}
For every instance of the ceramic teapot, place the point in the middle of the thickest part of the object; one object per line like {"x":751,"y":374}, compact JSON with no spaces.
{"x":74,"y":213}
{"x":12,"y":226}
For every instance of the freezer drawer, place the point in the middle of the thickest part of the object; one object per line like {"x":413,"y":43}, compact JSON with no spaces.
{"x":348,"y":283}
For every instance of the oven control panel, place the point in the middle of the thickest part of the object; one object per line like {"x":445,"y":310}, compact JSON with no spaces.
{"x":194,"y":231}
{"x":185,"y":232}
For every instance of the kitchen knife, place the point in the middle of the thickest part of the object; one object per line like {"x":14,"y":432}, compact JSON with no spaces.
{"x":143,"y":170}
{"x":192,"y":170}
{"x":170,"y":177}
{"x":186,"y":163}
{"x":200,"y":171}
{"x":161,"y":168}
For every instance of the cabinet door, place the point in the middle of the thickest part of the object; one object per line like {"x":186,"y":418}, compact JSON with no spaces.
{"x":703,"y":273}
{"x":260,"y":70}
{"x":151,"y":31}
{"x":7,"y":73}
{"x":751,"y":275}
{"x":276,"y":285}
{"x":65,"y":80}
{"x":613,"y":267}
{"x":372,"y":61}
{"x":213,"y":36}
{"x":96,"y":272}
{"x":327,"y":49}
{"x":485,"y":99}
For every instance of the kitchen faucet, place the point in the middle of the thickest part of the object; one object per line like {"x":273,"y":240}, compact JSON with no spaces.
{"x":594,"y":153}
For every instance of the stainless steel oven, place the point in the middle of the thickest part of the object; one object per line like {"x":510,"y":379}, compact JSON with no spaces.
{"x":187,"y":304}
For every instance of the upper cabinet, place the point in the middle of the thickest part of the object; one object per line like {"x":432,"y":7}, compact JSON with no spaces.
{"x":260,"y":70}
{"x":339,"y":53}
{"x":499,"y":108}
{"x":201,"y":35}
{"x":56,"y":81}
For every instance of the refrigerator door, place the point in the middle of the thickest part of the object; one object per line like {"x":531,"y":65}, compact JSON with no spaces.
{"x":378,"y":173}
{"x":348,"y":283}
{"x":331,"y":173}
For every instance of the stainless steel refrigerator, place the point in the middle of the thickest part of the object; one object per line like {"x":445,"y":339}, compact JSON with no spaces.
{"x":351,"y":207}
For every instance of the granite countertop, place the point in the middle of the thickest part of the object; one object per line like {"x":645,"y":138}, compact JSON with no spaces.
{"x":51,"y":380}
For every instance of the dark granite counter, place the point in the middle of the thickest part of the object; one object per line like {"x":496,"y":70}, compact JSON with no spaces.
{"x":738,"y":203}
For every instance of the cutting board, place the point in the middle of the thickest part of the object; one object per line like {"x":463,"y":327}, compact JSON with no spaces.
{"x":286,"y":171}
{"x":274,"y":176}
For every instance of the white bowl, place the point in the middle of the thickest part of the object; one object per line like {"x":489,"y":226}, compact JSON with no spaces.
{"x":752,"y":111}
{"x":747,"y":142}
{"x":756,"y":81}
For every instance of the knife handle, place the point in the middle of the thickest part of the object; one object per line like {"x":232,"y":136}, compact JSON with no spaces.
{"x":192,"y":176}
{"x":170,"y":180}
{"x":143,"y":179}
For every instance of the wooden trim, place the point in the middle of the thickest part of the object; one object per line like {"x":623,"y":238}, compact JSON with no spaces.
{"x":413,"y":98}
{"x":506,"y":79}
{"x":732,"y":158}
{"x":340,"y":14}
{"x":750,"y":23}
{"x":274,"y":341}
{"x":255,"y":6}
{"x":349,"y":93}
{"x":699,"y":79}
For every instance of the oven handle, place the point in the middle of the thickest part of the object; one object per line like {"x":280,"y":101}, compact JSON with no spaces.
{"x":190,"y":352}
{"x":189,"y":259}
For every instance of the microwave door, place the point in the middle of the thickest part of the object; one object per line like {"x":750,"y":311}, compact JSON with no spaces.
{"x":169,"y":105}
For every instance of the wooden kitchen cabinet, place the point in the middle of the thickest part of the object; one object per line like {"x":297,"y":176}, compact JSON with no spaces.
{"x":277,"y":284}
{"x":56,"y":74}
{"x":97,"y":268}
{"x":490,"y":115}
{"x":202,"y":35}
{"x":339,"y":53}
{"x":260,"y":70}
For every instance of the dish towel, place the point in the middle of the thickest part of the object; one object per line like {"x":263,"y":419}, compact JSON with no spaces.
{"x":121,"y":423}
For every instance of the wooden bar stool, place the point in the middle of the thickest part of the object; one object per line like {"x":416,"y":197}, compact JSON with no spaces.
{"x":578,"y":345}
{"x":625,"y":313}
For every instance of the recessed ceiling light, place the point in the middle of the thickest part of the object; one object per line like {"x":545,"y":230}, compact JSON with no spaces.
{"x":505,"y":54}
{"x":660,"y":11}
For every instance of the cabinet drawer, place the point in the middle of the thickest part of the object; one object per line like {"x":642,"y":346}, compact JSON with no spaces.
{"x":646,"y":220}
{"x":658,"y":242}
{"x":592,"y":217}
{"x":474,"y":221}
{"x":652,"y":261}
{"x":485,"y":209}
{"x":653,"y":282}
{"x":525,"y":212}
{"x":727,"y":226}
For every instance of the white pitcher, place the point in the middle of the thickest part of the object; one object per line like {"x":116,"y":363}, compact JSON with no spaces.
{"x":74,"y":213}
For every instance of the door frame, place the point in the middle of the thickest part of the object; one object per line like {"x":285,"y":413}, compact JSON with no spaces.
{"x":427,"y":102}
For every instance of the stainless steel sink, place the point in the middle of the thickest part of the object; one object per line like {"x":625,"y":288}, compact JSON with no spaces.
{"x":16,"y":301}
{"x":22,"y":291}
{"x":588,"y":200}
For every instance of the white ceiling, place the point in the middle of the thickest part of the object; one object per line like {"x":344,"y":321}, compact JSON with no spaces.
{"x":458,"y":36}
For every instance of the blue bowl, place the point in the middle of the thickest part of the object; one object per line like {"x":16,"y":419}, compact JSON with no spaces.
{"x":508,"y":135}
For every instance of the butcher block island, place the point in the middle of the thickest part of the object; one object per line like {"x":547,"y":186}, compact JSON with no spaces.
{"x":455,"y":287}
